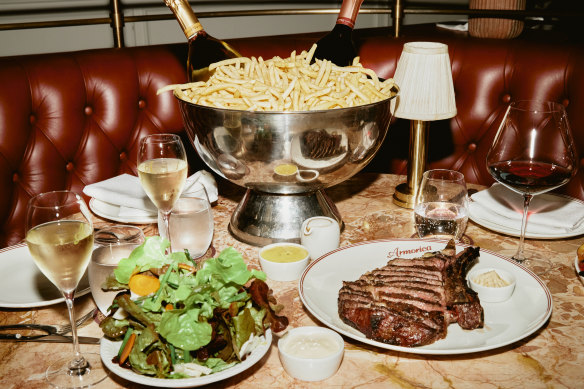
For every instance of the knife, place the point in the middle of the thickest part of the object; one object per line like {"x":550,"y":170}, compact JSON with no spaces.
{"x":54,"y":338}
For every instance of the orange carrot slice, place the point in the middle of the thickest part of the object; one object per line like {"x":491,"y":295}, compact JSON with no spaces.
{"x":126,"y":351}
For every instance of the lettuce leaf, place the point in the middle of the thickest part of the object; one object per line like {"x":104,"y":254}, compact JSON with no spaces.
{"x":150,"y":254}
{"x":183,"y":329}
{"x":242,"y":329}
{"x":218,"y":364}
{"x":139,"y":355}
{"x":227,"y":267}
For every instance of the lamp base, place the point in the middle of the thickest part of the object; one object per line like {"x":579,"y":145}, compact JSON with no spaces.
{"x":263,"y":218}
{"x":403,"y":197}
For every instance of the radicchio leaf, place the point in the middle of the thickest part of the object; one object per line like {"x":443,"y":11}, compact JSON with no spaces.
{"x":260,"y":294}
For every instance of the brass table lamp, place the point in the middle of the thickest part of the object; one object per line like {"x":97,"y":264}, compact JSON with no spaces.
{"x":424,"y":77}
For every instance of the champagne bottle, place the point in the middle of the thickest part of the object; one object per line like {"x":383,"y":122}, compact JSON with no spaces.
{"x":338,"y":46}
{"x":203,"y":48}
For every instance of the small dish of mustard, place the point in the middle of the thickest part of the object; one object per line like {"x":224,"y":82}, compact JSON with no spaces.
{"x":283,"y":261}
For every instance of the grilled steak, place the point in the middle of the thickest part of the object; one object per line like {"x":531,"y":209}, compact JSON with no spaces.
{"x":319,"y":144}
{"x":411,"y":302}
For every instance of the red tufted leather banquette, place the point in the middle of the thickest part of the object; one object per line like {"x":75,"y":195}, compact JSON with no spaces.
{"x":71,"y":119}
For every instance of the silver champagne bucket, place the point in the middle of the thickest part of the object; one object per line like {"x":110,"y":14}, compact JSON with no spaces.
{"x":285,"y":160}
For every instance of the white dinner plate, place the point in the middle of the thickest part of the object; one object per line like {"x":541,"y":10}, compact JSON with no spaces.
{"x":109,"y":349}
{"x":22,"y":285}
{"x":111,"y":212}
{"x":504,"y":229}
{"x":525,"y":312}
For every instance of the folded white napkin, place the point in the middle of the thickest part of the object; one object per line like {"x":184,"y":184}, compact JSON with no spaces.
{"x":548,"y":214}
{"x":125,"y":191}
{"x":205,"y":179}
{"x":460,"y":26}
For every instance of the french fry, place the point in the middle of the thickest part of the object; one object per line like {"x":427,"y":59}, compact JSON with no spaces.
{"x":285,"y":84}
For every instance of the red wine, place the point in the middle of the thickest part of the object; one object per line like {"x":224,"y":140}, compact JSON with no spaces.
{"x":203,"y":48}
{"x":530,"y":177}
{"x":337,"y":46}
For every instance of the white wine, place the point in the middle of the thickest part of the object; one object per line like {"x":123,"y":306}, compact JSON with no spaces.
{"x":163,"y":180}
{"x":61,"y":250}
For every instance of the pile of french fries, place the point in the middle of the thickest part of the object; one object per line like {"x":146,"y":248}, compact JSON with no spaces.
{"x":285,"y":84}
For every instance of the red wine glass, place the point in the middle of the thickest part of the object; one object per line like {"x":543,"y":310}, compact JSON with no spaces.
{"x":533,"y":152}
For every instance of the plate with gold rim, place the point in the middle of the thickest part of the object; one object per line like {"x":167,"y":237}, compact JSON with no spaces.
{"x":528,"y":309}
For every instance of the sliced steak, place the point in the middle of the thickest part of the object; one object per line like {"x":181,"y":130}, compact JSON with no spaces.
{"x":411,"y":302}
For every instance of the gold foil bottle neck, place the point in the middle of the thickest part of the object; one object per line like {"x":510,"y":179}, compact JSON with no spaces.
{"x":186,"y":17}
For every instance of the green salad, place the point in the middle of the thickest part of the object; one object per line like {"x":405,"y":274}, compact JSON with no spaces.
{"x":189,"y":318}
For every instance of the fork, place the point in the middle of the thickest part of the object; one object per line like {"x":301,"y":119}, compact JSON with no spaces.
{"x":50,"y":329}
{"x":64,"y":328}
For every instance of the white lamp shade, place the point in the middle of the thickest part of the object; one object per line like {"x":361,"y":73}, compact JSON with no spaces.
{"x":424,"y":77}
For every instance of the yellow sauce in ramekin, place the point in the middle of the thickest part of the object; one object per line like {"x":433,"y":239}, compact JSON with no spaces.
{"x":284,"y":254}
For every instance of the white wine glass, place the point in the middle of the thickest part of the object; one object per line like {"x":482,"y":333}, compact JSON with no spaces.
{"x":441,"y":208}
{"x":533,"y":152}
{"x":163,"y":168}
{"x":59,"y":235}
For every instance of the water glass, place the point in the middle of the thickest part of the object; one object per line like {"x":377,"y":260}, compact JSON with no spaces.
{"x":441,"y":208}
{"x":190,"y":223}
{"x":113,"y":244}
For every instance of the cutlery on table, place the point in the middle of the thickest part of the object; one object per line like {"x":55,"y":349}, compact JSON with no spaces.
{"x":46,"y":329}
{"x":53,"y":338}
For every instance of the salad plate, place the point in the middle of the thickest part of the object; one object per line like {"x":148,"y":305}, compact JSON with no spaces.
{"x":112,"y":212}
{"x":23,"y":285}
{"x":193,"y":306}
{"x":525,"y":312}
{"x":109,"y":349}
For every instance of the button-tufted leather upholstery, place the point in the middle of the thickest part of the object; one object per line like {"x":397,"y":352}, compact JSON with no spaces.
{"x":71,"y":119}
{"x":68,"y":120}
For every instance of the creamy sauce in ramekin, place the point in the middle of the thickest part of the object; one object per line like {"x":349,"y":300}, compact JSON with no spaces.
{"x":310,"y":345}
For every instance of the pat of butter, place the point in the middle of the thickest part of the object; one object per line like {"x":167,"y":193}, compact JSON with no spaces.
{"x":284,"y":254}
{"x":490,"y":279}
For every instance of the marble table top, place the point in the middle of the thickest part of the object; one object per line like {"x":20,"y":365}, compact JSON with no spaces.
{"x":553,"y":357}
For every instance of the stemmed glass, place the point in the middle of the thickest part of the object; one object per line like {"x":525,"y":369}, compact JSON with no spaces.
{"x":162,"y":168}
{"x":60,"y":239}
{"x":533,"y":152}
